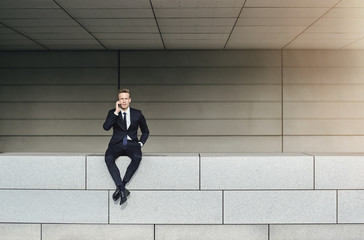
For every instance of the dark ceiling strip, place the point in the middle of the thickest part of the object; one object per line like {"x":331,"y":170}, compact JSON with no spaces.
{"x":79,"y":24}
{"x":25,"y":36}
{"x":311,"y":25}
{"x":156,"y":20}
{"x":237,"y":19}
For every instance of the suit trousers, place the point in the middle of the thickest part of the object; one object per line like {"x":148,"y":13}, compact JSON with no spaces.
{"x":133,"y":151}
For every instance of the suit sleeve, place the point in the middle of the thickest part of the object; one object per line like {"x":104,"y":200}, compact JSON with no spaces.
{"x":110,"y":120}
{"x":144,"y":129}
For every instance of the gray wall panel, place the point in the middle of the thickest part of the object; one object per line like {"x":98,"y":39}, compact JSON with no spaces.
{"x":187,"y":97}
{"x":160,"y":127}
{"x":323,"y":58}
{"x":324,"y":127}
{"x":318,"y":93}
{"x":85,"y":93}
{"x":58,"y":59}
{"x":323,"y":75}
{"x":141,"y":93}
{"x":53,"y":144}
{"x":323,"y":100}
{"x":229,"y":58}
{"x":238,"y":94}
{"x":323,"y":143}
{"x":58,"y":76}
{"x":206,"y":93}
{"x":322,"y":110}
{"x":99,"y":110}
{"x":170,"y":144}
{"x":193,"y":76}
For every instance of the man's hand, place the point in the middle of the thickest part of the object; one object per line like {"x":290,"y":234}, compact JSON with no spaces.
{"x":117,"y":108}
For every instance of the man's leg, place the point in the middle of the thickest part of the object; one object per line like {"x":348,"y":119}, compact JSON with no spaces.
{"x":135,"y":154}
{"x":110,"y":157}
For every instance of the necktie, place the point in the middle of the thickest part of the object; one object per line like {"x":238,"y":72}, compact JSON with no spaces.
{"x":125,"y":139}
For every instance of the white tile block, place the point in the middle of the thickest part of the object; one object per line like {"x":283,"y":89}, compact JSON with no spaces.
{"x":339,"y":171}
{"x":42,"y":171}
{"x":317,"y":232}
{"x":57,"y":206}
{"x":97,"y":232}
{"x":156,"y":171}
{"x":211,"y":232}
{"x":262,"y":207}
{"x":256,"y":171}
{"x":168,"y":207}
{"x":20,"y":231}
{"x":351,"y":206}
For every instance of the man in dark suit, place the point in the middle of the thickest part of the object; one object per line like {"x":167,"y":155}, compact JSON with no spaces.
{"x":125,"y":122}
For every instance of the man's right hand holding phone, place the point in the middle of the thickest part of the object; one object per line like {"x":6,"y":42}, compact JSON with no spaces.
{"x":117,"y":108}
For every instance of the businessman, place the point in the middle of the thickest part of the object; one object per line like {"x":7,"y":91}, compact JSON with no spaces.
{"x":125,"y":122}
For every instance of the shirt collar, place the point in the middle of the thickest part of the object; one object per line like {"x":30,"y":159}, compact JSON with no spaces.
{"x":127,"y":111}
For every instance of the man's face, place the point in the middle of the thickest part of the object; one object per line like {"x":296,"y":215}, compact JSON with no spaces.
{"x":124,"y":99}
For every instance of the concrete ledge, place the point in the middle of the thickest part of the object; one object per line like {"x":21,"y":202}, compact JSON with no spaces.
{"x":264,"y":207}
{"x":181,"y":189}
{"x":168,"y":207}
{"x":42,"y":171}
{"x":20,"y":231}
{"x":46,"y":206}
{"x":211,"y":232}
{"x":339,"y":171}
{"x":156,"y":171}
{"x":256,"y":171}
{"x":97,"y":232}
{"x":317,"y":232}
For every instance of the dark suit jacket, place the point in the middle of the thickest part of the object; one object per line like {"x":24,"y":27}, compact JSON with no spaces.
{"x":136,"y":120}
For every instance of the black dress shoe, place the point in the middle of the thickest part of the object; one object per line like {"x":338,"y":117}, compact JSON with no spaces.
{"x":124,"y":194}
{"x":117,"y":194}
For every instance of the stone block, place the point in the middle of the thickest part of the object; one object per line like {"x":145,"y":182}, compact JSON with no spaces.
{"x":168,"y":207}
{"x":156,"y":171}
{"x":42,"y":171}
{"x":351,"y":206}
{"x":97,"y":232}
{"x":256,"y":171}
{"x":211,"y":232}
{"x":339,"y":171}
{"x":317,"y":232}
{"x":20,"y":231}
{"x":269,"y":207}
{"x":53,"y":206}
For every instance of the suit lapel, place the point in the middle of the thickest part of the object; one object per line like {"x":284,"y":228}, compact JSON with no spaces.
{"x":131,"y":116}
